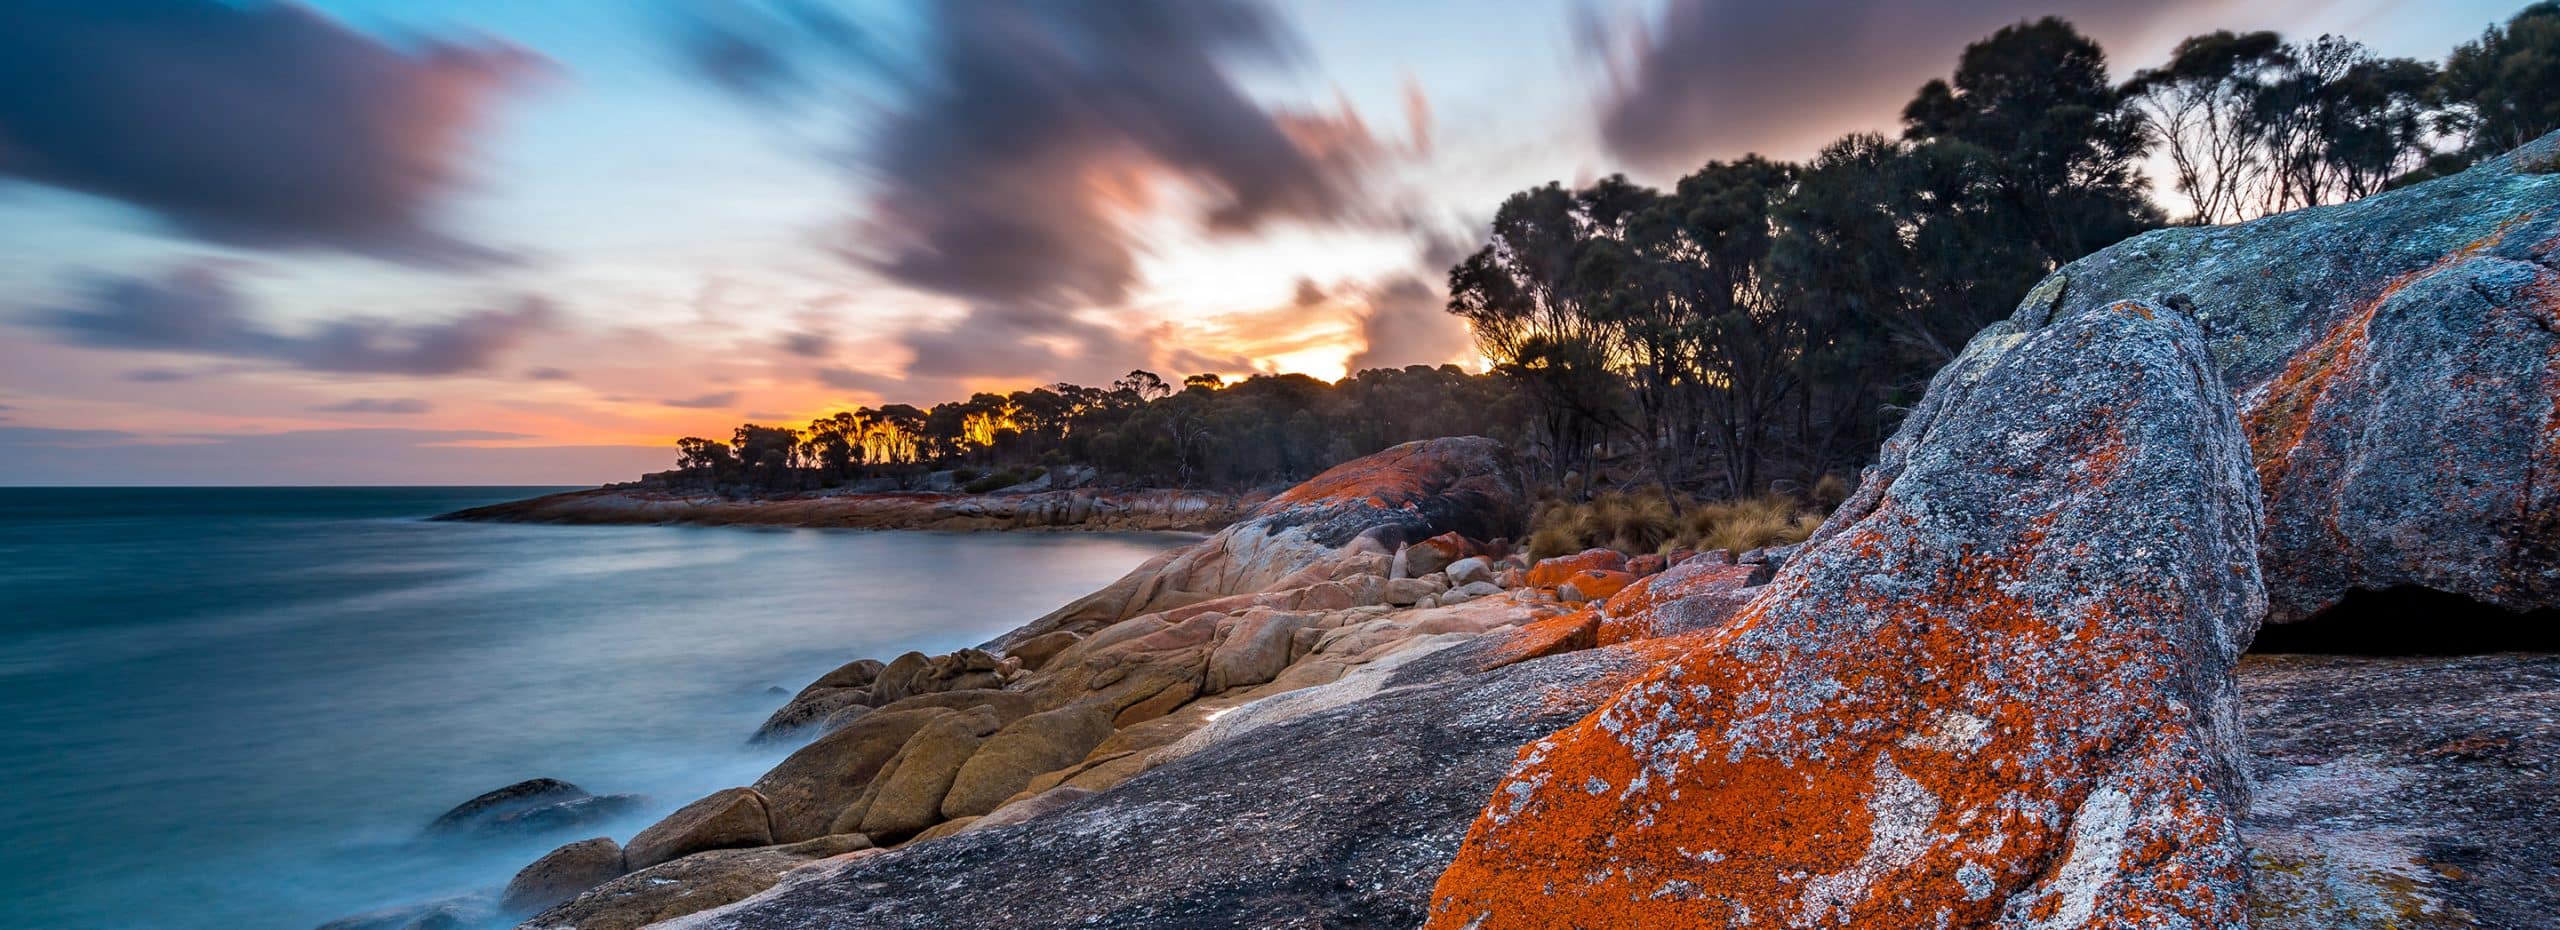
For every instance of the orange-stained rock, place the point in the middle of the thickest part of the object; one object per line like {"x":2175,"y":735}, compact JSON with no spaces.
{"x":1697,"y":594}
{"x":1998,"y":696}
{"x":1643,"y":565}
{"x":1549,"y":573}
{"x":1593,"y":584}
{"x":1412,"y":492}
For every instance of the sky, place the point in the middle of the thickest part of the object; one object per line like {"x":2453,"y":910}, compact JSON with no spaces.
{"x":497,"y":242}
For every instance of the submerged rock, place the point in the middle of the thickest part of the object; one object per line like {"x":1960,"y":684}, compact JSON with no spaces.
{"x":524,"y":795}
{"x":1998,"y":694}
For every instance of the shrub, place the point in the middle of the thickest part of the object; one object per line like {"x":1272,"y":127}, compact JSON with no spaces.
{"x":993,"y":482}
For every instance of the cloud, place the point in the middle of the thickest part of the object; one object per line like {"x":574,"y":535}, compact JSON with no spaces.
{"x":398,"y":405}
{"x":808,"y":343}
{"x":194,"y":308}
{"x":264,"y":125}
{"x":547,"y":373}
{"x":30,"y":455}
{"x":1024,"y":144}
{"x":1719,"y":78}
{"x":1407,"y":323}
{"x":157,"y":375}
{"x":714,"y":401}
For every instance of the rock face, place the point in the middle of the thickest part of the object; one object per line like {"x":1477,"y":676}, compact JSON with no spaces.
{"x":2403,"y":793}
{"x":1998,"y":694}
{"x":1334,"y":819}
{"x":2397,"y":365}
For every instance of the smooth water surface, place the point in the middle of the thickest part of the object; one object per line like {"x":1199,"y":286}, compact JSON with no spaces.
{"x":235,"y":708}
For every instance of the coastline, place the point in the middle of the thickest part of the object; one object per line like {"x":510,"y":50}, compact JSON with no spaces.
{"x":1085,"y":510}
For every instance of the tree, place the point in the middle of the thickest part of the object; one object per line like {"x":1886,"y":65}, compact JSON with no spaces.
{"x":2197,"y":108}
{"x":708,"y":459}
{"x":1524,"y":304}
{"x":2052,"y":138}
{"x":2504,"y":88}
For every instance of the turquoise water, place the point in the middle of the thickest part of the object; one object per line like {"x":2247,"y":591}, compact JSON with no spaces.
{"x":235,"y":708}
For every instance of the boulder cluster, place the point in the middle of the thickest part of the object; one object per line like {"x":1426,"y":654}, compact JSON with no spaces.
{"x":1307,"y":605}
{"x":2001,"y":687}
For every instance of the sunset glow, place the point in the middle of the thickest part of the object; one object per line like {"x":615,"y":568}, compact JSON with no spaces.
{"x":557,"y":236}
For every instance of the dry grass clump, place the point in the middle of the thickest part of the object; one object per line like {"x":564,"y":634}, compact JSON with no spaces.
{"x":1641,"y":522}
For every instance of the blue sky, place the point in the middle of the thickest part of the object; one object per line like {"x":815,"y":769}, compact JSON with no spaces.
{"x":554,"y":237}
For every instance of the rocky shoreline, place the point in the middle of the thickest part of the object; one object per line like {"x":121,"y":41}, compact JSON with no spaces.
{"x":2006,"y":685}
{"x":1074,"y":509}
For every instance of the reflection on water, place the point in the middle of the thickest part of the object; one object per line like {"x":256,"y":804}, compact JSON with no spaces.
{"x":234,"y":708}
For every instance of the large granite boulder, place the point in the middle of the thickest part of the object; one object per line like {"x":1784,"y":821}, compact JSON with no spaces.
{"x":1999,"y":693}
{"x":562,"y":874}
{"x":2396,"y":361}
{"x":1408,"y":493}
{"x":725,"y":819}
{"x":1334,"y":819}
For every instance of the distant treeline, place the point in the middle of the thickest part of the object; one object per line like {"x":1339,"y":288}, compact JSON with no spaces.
{"x":1139,"y":430}
{"x":1763,"y":322}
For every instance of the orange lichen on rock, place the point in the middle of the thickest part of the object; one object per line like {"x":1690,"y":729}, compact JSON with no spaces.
{"x":1549,"y":573}
{"x":1688,"y":597}
{"x":1999,"y":698}
{"x":1594,"y":584}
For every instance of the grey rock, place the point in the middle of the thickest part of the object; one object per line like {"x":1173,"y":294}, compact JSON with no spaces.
{"x":2395,"y":366}
{"x":1469,"y":570}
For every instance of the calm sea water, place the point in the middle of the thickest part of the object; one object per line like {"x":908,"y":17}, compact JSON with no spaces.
{"x":235,"y":708}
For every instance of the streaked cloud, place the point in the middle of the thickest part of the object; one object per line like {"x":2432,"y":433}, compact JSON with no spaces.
{"x":263,"y":125}
{"x":196,"y":308}
{"x":390,"y":405}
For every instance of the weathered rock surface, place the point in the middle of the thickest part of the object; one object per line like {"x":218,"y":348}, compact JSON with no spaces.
{"x":694,"y":883}
{"x":722,"y":820}
{"x":1335,"y":819}
{"x":562,"y":874}
{"x":1023,"y":750}
{"x":2403,"y":793}
{"x":1408,"y":493}
{"x":2397,"y":366}
{"x":1998,"y":694}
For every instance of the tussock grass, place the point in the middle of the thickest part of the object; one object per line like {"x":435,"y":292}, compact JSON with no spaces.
{"x":1637,"y":522}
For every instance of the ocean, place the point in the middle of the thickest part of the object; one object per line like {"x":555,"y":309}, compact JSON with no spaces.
{"x":236,"y":708}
